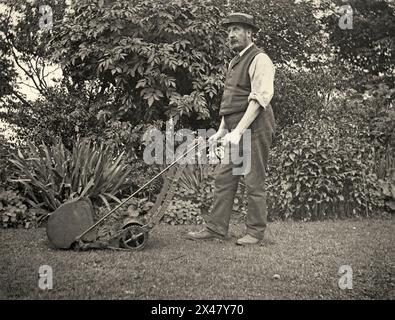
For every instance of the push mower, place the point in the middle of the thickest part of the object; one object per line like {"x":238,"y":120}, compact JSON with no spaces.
{"x":72,"y":226}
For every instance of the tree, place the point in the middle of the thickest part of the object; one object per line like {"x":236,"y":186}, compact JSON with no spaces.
{"x":60,"y":111}
{"x":8,"y":72}
{"x":168,"y":57}
{"x":369,"y":46}
{"x":24,"y":42}
{"x":162,"y":58}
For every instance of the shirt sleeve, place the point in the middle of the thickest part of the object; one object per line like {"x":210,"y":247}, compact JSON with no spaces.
{"x":261,"y":74}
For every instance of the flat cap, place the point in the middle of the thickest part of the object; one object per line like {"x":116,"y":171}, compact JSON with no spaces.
{"x":240,"y":18}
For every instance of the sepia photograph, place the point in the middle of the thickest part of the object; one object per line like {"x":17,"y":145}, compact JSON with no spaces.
{"x":197,"y":155}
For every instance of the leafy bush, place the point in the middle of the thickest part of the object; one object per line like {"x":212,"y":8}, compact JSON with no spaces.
{"x":141,"y":173}
{"x":155,"y":53}
{"x":59,"y":115}
{"x":183,"y":212}
{"x":298,"y":93}
{"x":5,"y":149}
{"x":369,"y":45}
{"x":325,"y":167}
{"x":194,"y":176}
{"x":169,"y":57}
{"x":379,"y":99}
{"x":53,"y":175}
{"x":194,"y":197}
{"x":388,"y":193}
{"x":194,"y":208}
{"x":14,"y":211}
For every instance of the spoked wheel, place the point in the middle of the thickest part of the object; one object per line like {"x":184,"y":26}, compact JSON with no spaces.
{"x":134,"y":237}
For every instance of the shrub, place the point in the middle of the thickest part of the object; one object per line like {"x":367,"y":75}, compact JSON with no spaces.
{"x":53,"y":175}
{"x":156,"y":54}
{"x":379,"y":98}
{"x":14,"y":211}
{"x":297,"y":93}
{"x":59,"y":115}
{"x":141,"y":173}
{"x":183,"y":212}
{"x":194,"y":197}
{"x":379,"y":101}
{"x":324,"y":166}
{"x":5,"y":149}
{"x":388,"y":193}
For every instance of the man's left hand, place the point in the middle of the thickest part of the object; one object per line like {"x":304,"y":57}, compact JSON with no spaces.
{"x":232,"y":137}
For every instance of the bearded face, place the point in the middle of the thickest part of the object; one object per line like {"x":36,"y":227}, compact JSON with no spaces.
{"x":239,"y":37}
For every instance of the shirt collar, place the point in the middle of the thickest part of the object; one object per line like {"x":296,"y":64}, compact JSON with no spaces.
{"x":245,"y":49}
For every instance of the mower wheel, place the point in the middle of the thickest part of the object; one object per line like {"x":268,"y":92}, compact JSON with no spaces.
{"x":134,"y":237}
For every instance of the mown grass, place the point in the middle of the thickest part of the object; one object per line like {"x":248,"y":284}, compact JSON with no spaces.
{"x":306,"y":256}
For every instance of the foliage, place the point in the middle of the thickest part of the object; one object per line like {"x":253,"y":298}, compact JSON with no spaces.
{"x":7,"y":75}
{"x":194,"y":196}
{"x":289,"y":30}
{"x":299,"y":92}
{"x":167,"y":58}
{"x":60,"y":115}
{"x":379,"y":98}
{"x":5,"y":149}
{"x":53,"y":175}
{"x":155,"y":53}
{"x":192,"y":208}
{"x":61,"y":110}
{"x":23,"y":47}
{"x":128,"y":64}
{"x":325,"y":166}
{"x":370,"y":43}
{"x":141,"y":173}
{"x":196,"y":185}
{"x":194,"y":175}
{"x":388,"y":193}
{"x":135,"y":208}
{"x":14,"y":210}
{"x":183,"y":212}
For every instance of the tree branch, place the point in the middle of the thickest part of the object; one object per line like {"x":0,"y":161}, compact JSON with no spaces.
{"x":40,"y":86}
{"x":53,"y":71}
{"x":37,"y":82}
{"x":21,"y":98}
{"x":25,"y":71}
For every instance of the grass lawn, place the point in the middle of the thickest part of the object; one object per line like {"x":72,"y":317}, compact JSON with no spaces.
{"x":305,"y":256}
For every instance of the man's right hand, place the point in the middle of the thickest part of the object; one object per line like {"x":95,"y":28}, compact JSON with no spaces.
{"x":215,"y":137}
{"x":219,"y":134}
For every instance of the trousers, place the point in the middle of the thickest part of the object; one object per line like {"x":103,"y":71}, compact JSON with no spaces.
{"x":226,"y":182}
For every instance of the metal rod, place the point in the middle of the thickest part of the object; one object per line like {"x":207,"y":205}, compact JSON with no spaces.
{"x":137,"y":191}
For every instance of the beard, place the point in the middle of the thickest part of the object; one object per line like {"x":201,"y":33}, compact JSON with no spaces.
{"x":239,"y":44}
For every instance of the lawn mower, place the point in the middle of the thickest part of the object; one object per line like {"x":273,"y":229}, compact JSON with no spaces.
{"x":72,"y":226}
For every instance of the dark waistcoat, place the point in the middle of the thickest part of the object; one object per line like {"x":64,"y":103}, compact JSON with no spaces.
{"x":238,"y":84}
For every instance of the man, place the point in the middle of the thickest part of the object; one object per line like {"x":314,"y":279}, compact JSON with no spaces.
{"x":245,"y":105}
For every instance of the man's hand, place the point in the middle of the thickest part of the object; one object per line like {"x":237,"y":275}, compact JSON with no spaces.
{"x":232,"y":137}
{"x":215,"y":137}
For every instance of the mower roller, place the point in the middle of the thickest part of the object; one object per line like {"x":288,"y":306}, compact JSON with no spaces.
{"x":72,"y":226}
